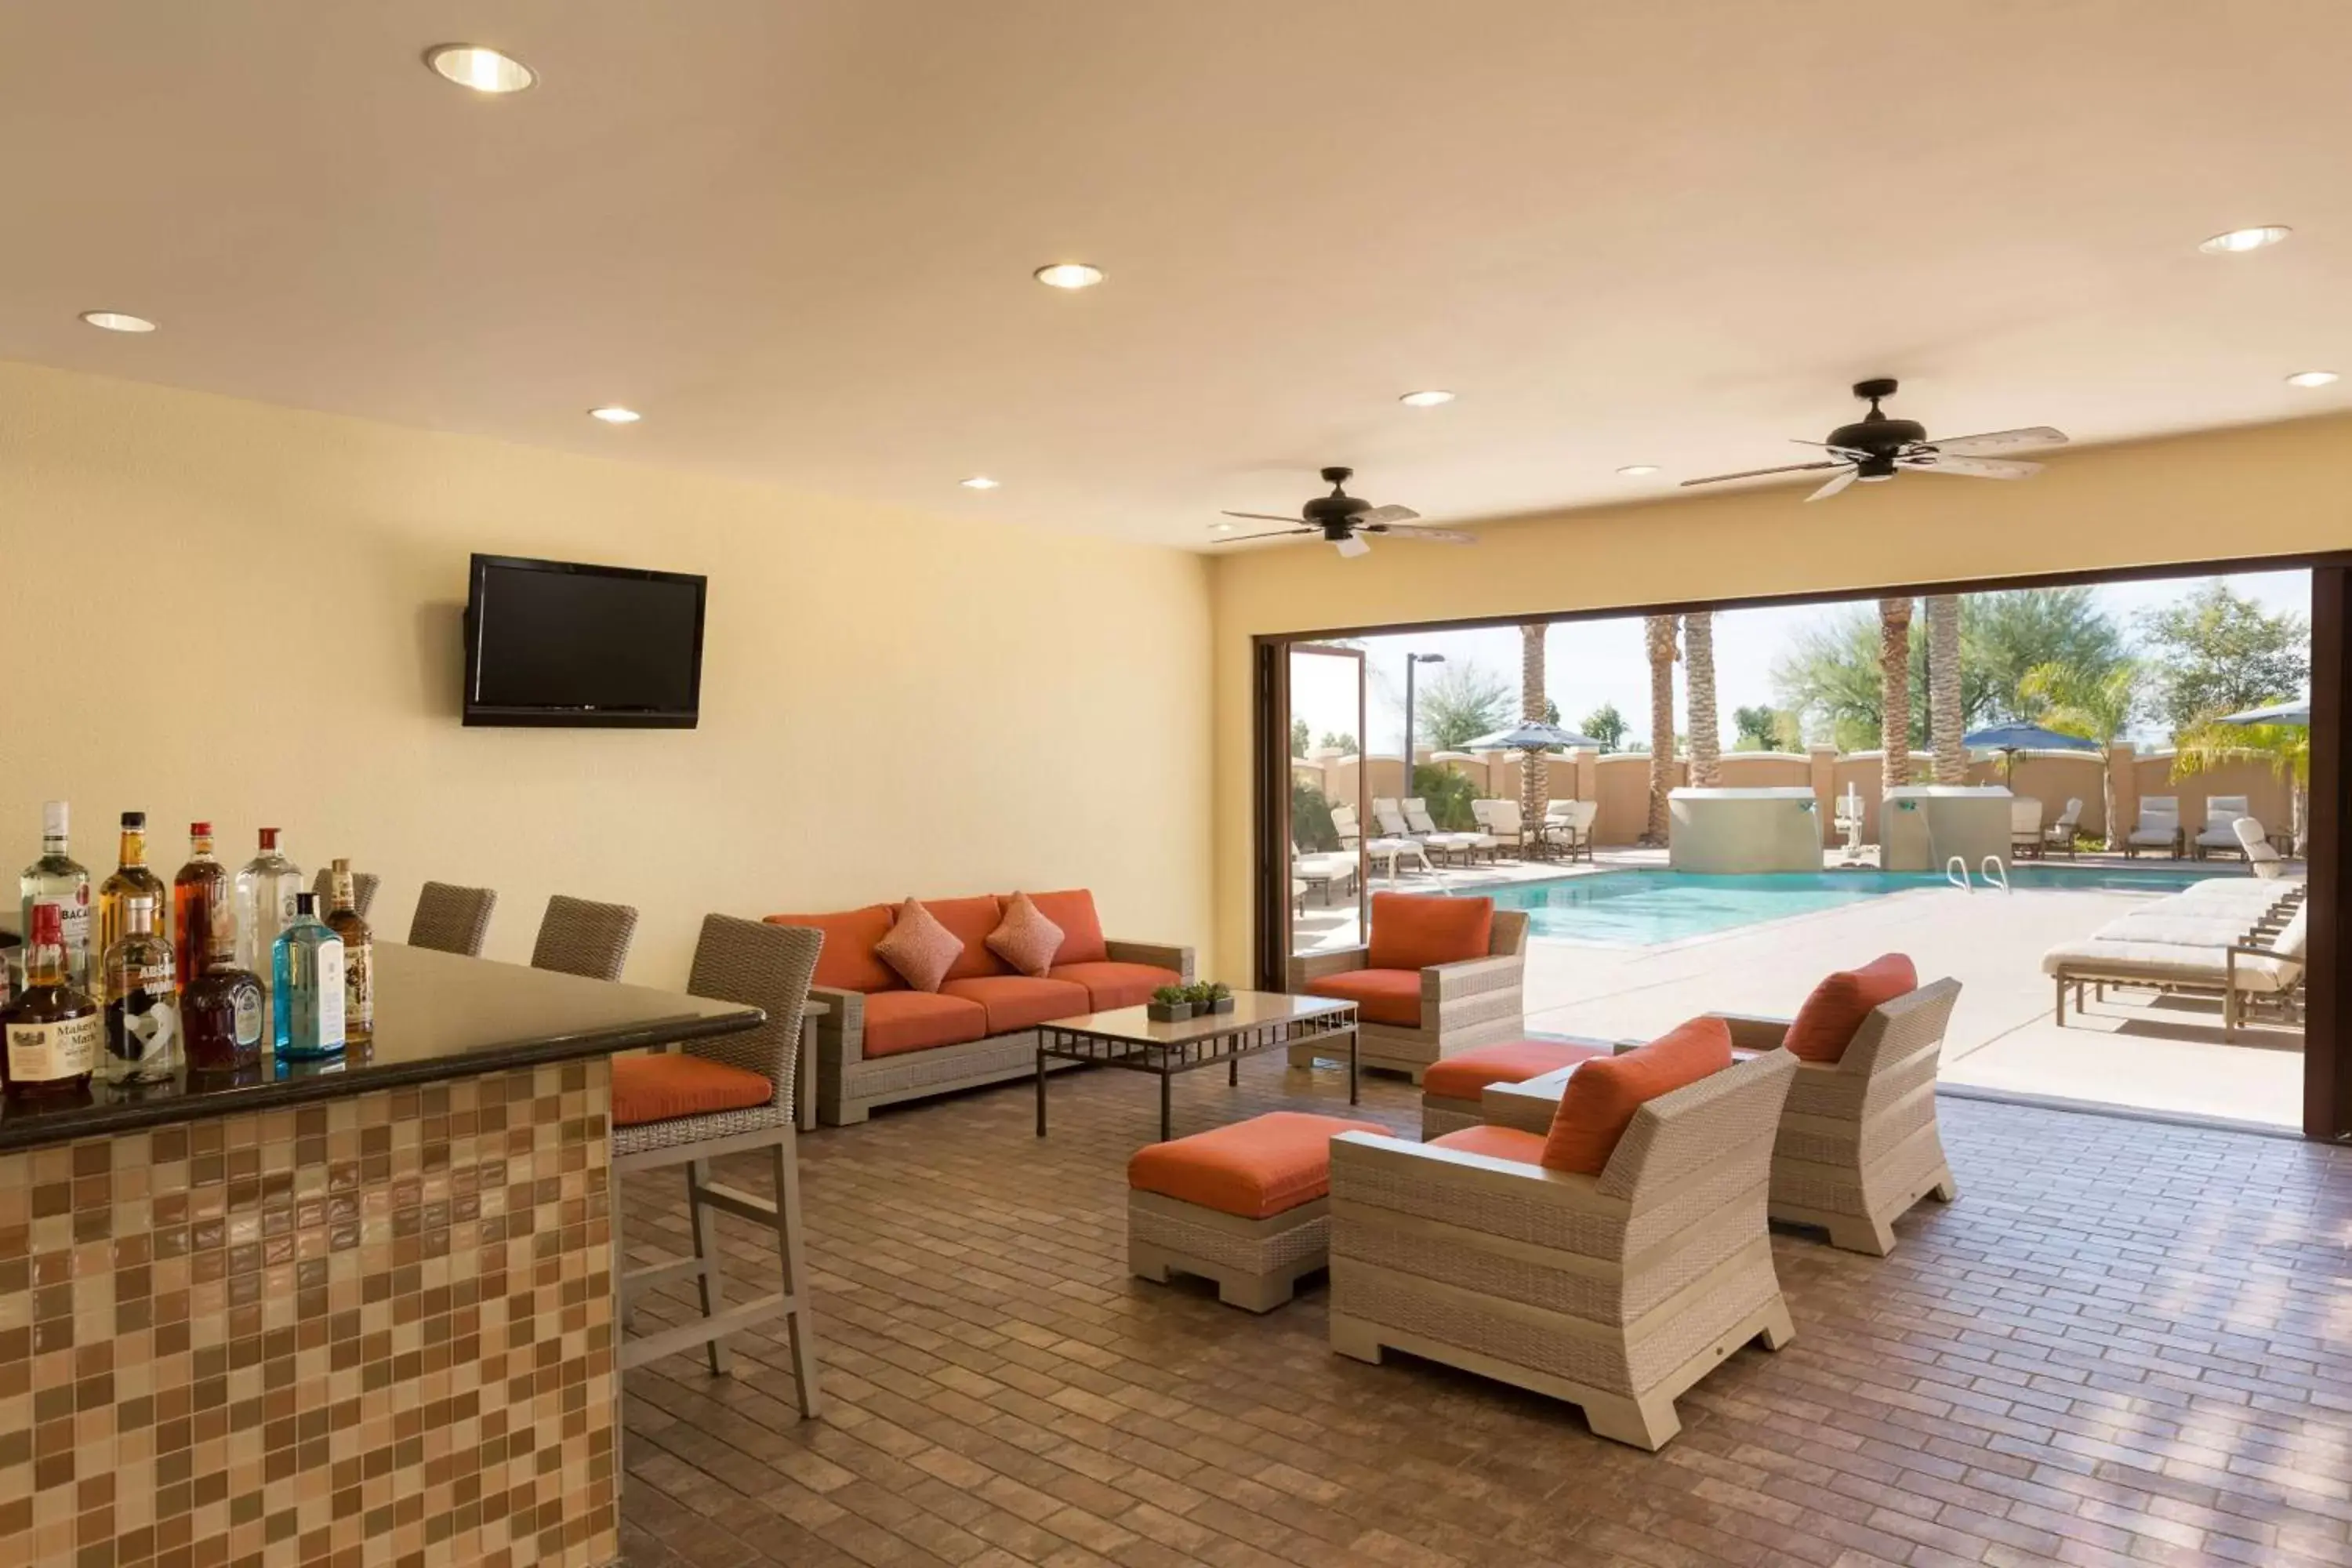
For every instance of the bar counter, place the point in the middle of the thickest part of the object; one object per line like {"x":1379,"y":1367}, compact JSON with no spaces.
{"x":351,"y":1312}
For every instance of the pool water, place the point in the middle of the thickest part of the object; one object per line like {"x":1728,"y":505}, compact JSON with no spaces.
{"x":1641,"y":908}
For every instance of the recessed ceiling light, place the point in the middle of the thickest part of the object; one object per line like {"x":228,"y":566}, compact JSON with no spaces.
{"x":118,"y":321}
{"x":1069,"y":275}
{"x":615,"y":415}
{"x":980,"y":482}
{"x":1636,"y":470}
{"x":483,"y":70}
{"x":2311,"y":378}
{"x":1221,"y":528}
{"x":1428,"y":399}
{"x":2243,"y":239}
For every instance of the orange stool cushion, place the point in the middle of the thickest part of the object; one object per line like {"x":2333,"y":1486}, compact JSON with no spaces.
{"x":1112,"y":985}
{"x":900,"y":1021}
{"x":1381,"y":995}
{"x":1413,"y":930}
{"x":1073,"y":909}
{"x":1495,"y":1143}
{"x":1604,"y":1093}
{"x":1254,"y":1169}
{"x":846,"y":961}
{"x":1828,"y":1021}
{"x":1466,"y":1076}
{"x":665,"y":1086}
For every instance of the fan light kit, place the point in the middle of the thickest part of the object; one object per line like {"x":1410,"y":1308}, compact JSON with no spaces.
{"x":483,"y":70}
{"x":613,"y":414}
{"x":2239,"y":240}
{"x":1638,"y":470}
{"x":1069,"y":275}
{"x":1341,"y":520}
{"x":979,"y":482}
{"x":1430,"y":399}
{"x":1874,"y":447}
{"x":2313,"y":378}
{"x":118,"y":321}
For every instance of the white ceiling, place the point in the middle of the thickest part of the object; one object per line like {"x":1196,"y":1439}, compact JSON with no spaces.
{"x":799,"y":235}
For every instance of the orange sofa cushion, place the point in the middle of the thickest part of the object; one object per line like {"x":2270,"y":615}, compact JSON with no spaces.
{"x":972,"y":920}
{"x":665,"y":1086}
{"x":1494,"y":1142}
{"x":1117,"y":985}
{"x":1413,"y":931}
{"x":1831,"y":1017}
{"x":1604,"y":1093}
{"x":918,"y":947}
{"x":918,"y":1020}
{"x":1024,"y":938}
{"x":1464,"y":1077}
{"x":1073,"y":909}
{"x":1254,"y":1169}
{"x":1021,"y":1001}
{"x":1381,"y":995}
{"x":847,"y":962}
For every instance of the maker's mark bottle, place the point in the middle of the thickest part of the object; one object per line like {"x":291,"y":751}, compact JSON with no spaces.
{"x":51,"y":1030}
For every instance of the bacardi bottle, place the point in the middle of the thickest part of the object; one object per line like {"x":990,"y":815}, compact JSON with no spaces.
{"x":359,"y":957}
{"x":51,"y":1030}
{"x":306,"y":991}
{"x":201,"y":904}
{"x":58,"y":880}
{"x":142,"y":1000}
{"x":265,"y":904}
{"x":131,"y":878}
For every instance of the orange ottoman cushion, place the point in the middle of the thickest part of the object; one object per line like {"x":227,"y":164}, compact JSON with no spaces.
{"x":1604,"y":1093}
{"x":1254,"y":1169}
{"x":1466,"y":1076}
{"x":1496,"y":1143}
{"x":1381,"y":995}
{"x":1413,"y":931}
{"x":665,"y":1086}
{"x":1826,"y":1023}
{"x":846,"y":961}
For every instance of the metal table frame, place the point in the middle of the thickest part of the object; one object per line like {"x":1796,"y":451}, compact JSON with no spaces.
{"x":1166,"y":1058}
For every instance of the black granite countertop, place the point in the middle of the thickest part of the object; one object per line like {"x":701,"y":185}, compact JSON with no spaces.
{"x":437,"y":1016}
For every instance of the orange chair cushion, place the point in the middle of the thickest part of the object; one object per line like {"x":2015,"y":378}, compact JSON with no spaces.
{"x":1413,"y":930}
{"x":665,"y":1086}
{"x":971,"y":919}
{"x":1496,"y":1142}
{"x":900,"y":1021}
{"x":1024,"y":938}
{"x":847,"y":962}
{"x":1464,"y":1077}
{"x":1831,"y":1017}
{"x":1381,"y":995}
{"x":1117,"y":985}
{"x":1254,"y":1169}
{"x":1603,"y":1093}
{"x":1073,"y":909}
{"x":918,"y":947}
{"x":1019,"y":1001}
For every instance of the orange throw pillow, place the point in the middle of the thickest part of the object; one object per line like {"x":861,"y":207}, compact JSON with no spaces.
{"x":1831,"y":1015}
{"x":1604,"y":1093}
{"x":918,"y":947}
{"x":1413,"y":931}
{"x":1026,"y":939}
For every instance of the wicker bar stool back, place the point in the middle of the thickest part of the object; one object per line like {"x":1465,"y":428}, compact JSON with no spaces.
{"x":580,"y":936}
{"x":364,"y":887}
{"x":450,"y":919}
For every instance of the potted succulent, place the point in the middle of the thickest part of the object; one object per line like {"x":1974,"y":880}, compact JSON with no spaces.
{"x":1210,"y":996}
{"x":1169,"y":1004}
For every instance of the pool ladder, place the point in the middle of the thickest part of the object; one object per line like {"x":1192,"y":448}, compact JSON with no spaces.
{"x":1996,"y":875}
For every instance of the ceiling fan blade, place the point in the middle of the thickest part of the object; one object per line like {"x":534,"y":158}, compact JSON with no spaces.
{"x":1286,"y":533}
{"x":1260,"y":517}
{"x":1972,"y":467}
{"x":1354,"y":544}
{"x":1434,"y":535}
{"x":1387,"y":514}
{"x":1849,"y":453}
{"x":1759,"y":473}
{"x":1836,"y":484}
{"x":1998,"y":441}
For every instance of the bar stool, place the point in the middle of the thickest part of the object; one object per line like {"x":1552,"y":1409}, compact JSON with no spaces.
{"x":450,"y":919}
{"x":732,"y":1094}
{"x":579,"y":936}
{"x":364,"y":887}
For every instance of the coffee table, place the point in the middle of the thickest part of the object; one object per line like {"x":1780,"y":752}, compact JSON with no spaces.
{"x":1128,"y":1037}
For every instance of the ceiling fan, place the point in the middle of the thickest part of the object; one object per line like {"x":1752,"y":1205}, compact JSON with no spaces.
{"x":1874,"y":445}
{"x":1342,"y":520}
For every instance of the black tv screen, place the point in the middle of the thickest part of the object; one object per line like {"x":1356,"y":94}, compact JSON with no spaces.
{"x":557,"y":643}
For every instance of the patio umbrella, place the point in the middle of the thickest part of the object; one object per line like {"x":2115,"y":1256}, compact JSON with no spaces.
{"x":2011,"y":739}
{"x":2295,"y":712}
{"x":1529,"y":736}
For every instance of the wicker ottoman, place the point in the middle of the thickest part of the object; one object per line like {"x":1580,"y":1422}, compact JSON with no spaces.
{"x":1247,"y":1206}
{"x":1450,"y":1089}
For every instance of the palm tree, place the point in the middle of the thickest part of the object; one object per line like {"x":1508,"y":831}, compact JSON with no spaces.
{"x":2097,"y":707}
{"x":1659,"y":633}
{"x":1698,"y":685}
{"x":1945,"y":726}
{"x":1534,"y":773}
{"x":1894,"y":692}
{"x":2286,"y":747}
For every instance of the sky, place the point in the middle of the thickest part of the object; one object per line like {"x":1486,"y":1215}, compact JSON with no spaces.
{"x":1588,"y":663}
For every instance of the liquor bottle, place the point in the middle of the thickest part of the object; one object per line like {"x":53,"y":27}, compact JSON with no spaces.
{"x":52,"y":1030}
{"x":142,"y":1000}
{"x":132,"y":878}
{"x":57,"y":880}
{"x":201,"y":903}
{"x":265,"y":904}
{"x":306,"y":990}
{"x":221,"y":1010}
{"x":359,"y":956}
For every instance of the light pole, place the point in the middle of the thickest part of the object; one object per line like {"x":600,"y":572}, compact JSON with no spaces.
{"x":1412,"y":659}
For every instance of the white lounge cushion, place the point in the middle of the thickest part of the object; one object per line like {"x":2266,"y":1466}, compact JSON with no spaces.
{"x":2166,"y":963}
{"x":2190,"y":931}
{"x":2230,"y":891}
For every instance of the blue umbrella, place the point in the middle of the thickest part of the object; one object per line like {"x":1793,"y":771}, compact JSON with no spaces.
{"x":1531,"y":735}
{"x":2011,"y":739}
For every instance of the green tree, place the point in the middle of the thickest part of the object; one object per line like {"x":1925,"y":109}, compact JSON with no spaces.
{"x":1551,"y":712}
{"x":1302,"y":739}
{"x":1310,"y":818}
{"x":2287,"y":748}
{"x":2096,"y":705}
{"x":1448,"y":795}
{"x":2217,"y":651}
{"x":2004,"y":635}
{"x":1339,"y":742}
{"x":1754,"y":728}
{"x":1604,"y":724}
{"x":1466,"y":700}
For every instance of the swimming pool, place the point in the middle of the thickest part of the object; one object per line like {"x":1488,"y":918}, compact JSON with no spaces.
{"x":1641,"y":908}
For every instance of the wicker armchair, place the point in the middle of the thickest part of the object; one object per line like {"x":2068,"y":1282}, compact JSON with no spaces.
{"x":1616,"y":1292}
{"x":450,"y":919}
{"x":364,"y":887}
{"x":1474,"y":1003}
{"x":580,"y":936}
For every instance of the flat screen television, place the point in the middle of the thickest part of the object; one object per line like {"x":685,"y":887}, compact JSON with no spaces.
{"x":555,"y":643}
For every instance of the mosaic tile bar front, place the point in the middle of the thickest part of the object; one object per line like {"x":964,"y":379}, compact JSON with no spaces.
{"x":373,"y":1330}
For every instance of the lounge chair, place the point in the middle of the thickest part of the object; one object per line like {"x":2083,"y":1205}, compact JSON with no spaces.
{"x":2159,"y":826}
{"x":1411,"y":819}
{"x":2223,"y":814}
{"x":1500,"y":820}
{"x":1388,"y":851}
{"x":1413,"y":1009}
{"x":1325,"y":869}
{"x":1568,"y":827}
{"x":2253,"y":980}
{"x":2262,"y":858}
{"x":2060,"y":835}
{"x":2024,"y":828}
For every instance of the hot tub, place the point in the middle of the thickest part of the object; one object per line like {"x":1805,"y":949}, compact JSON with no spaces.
{"x":1922,"y":826}
{"x":1723,"y":831}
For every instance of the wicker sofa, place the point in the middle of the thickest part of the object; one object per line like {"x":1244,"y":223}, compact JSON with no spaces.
{"x":882,"y":1042}
{"x":1411,"y":1018}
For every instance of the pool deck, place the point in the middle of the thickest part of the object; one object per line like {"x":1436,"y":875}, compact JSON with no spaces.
{"x":2134,"y":1050}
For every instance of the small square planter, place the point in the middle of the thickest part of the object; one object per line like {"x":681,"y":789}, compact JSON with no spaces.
{"x":1168,"y":1012}
{"x":1222,"y":1004}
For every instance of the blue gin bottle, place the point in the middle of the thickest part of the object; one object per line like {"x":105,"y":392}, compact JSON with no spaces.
{"x":307,"y":998}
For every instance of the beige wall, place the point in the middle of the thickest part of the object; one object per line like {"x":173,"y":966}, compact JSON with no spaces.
{"x":2262,"y":490}
{"x":220,"y":609}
